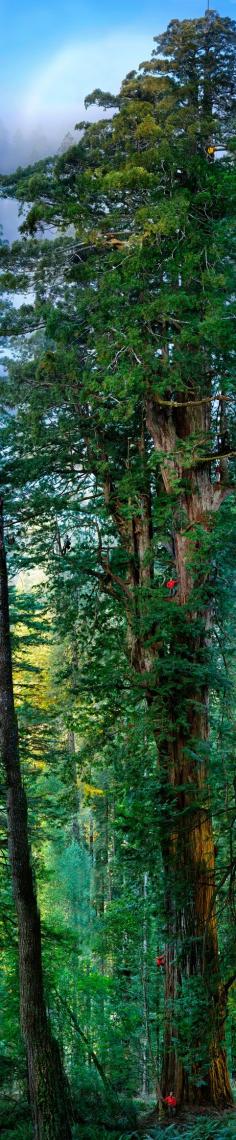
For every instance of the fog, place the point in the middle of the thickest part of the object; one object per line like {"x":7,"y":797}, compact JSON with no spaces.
{"x":46,"y":100}
{"x":21,"y":148}
{"x":10,"y":218}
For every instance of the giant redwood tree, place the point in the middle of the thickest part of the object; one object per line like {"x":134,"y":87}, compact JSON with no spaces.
{"x":136,"y":393}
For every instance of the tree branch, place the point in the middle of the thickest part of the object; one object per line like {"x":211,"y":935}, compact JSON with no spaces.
{"x":229,"y":983}
{"x":190,"y":403}
{"x":85,"y":1039}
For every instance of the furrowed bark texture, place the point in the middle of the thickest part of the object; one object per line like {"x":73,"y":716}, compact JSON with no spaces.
{"x":192,"y":974}
{"x":48,"y":1089}
{"x":194,"y":1066}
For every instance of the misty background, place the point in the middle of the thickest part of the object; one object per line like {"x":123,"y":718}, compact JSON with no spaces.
{"x":46,"y":99}
{"x":18,"y":149}
{"x":53,"y":55}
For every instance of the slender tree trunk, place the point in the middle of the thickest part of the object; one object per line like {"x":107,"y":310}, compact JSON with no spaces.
{"x":49,"y":1092}
{"x":148,"y":1059}
{"x":144,"y":1045}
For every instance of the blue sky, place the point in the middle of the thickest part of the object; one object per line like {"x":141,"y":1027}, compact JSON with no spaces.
{"x":54,"y":53}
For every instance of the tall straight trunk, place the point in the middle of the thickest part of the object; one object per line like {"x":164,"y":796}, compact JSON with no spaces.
{"x":195,"y":1066}
{"x":48,"y":1088}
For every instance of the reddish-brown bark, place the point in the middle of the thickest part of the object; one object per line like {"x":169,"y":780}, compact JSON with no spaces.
{"x":187,"y":840}
{"x":187,"y":836}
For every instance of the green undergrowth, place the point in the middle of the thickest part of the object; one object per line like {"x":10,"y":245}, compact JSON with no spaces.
{"x":203,"y":1131}
{"x":223,"y":1128}
{"x":14,"y":1120}
{"x":208,"y":1128}
{"x":21,"y":1131}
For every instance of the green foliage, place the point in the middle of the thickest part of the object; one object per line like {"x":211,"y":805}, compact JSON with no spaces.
{"x":203,"y":1129}
{"x":14,"y":1119}
{"x":118,"y":411}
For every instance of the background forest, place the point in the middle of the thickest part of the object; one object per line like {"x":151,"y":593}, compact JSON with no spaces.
{"x":117,"y":481}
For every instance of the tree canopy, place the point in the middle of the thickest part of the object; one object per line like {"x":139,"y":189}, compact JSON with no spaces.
{"x":118,"y":475}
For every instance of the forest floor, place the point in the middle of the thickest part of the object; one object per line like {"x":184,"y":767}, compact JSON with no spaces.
{"x":197,"y":1125}
{"x":217,"y":1126}
{"x":222,"y":1127}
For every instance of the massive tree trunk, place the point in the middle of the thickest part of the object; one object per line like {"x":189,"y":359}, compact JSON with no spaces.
{"x":194,"y":1056}
{"x":49,"y":1092}
{"x":195,"y":1066}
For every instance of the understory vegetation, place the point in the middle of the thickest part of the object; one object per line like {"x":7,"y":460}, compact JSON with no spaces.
{"x":117,"y":614}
